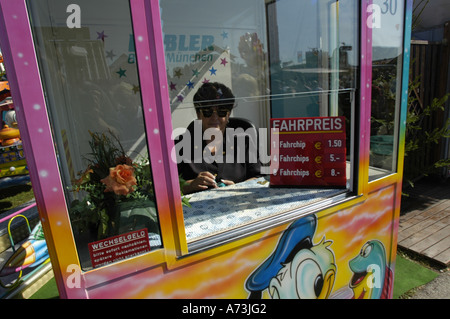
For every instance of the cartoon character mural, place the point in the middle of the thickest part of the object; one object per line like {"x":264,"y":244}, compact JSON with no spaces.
{"x":372,"y":276}
{"x":300,"y":269}
{"x":297,"y":268}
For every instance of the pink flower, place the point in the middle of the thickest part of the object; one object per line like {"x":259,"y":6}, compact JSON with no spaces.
{"x":120,"y":180}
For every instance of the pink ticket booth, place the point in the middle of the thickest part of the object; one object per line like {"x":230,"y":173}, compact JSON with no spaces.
{"x":104,"y":93}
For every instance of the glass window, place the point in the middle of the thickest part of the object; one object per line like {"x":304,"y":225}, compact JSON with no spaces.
{"x":87,"y":61}
{"x":241,"y":67}
{"x":387,"y":34}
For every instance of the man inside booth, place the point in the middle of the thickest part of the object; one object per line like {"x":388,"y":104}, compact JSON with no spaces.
{"x":223,"y":158}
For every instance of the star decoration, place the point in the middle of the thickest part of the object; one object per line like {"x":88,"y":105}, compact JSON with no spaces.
{"x":121,"y":72}
{"x":224,"y":61}
{"x":173,"y":86}
{"x":205,"y":81}
{"x":136,"y":89}
{"x":213,"y":71}
{"x":224,"y":35}
{"x":178,"y":73}
{"x":110,"y":55}
{"x":101,"y":35}
{"x":180,"y":98}
{"x":190,"y":84}
{"x":195,"y":73}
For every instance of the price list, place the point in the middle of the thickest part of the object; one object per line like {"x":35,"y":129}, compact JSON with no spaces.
{"x":308,"y":152}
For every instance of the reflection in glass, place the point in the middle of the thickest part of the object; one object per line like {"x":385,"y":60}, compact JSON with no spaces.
{"x":311,"y":66}
{"x":281,"y":59}
{"x":386,"y":88}
{"x":92,"y":90}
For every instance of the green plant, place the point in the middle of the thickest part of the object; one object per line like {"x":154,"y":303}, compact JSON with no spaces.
{"x":419,"y":140}
{"x":112,"y":184}
{"x":383,"y":102}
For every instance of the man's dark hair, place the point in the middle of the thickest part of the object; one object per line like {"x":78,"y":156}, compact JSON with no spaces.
{"x":214,"y":94}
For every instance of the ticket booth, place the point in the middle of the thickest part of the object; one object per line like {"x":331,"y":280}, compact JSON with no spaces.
{"x":104,"y":93}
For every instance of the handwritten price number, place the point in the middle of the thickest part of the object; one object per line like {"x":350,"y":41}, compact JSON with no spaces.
{"x":389,"y":6}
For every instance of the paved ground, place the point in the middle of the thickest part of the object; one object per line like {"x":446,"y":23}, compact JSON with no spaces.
{"x":427,"y":195}
{"x":439,"y":288}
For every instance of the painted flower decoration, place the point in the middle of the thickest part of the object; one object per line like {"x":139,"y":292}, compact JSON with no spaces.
{"x":121,"y":180}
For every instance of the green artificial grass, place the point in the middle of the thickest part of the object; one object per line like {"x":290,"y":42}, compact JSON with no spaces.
{"x":410,"y":275}
{"x":15,"y":196}
{"x":48,"y":291}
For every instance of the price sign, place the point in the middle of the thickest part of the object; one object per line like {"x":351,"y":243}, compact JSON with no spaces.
{"x":308,"y":152}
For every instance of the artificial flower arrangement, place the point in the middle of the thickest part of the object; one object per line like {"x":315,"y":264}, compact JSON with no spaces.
{"x":115,"y":194}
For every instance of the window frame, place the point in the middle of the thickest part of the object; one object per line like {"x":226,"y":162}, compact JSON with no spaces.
{"x":43,"y":161}
{"x":34,"y":123}
{"x":361,"y":125}
{"x":58,"y":122}
{"x":399,"y":111}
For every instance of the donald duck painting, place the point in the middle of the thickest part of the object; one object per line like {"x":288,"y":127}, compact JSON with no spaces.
{"x":297,"y":269}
